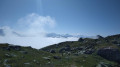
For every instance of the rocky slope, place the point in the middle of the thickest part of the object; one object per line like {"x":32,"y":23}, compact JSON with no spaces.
{"x":86,"y":52}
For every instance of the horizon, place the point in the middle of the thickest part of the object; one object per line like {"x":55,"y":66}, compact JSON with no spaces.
{"x":36,"y":18}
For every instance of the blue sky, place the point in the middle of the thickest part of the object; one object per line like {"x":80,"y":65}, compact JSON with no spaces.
{"x":86,"y":17}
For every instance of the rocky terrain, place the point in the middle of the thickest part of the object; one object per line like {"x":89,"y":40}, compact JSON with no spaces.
{"x":86,"y":52}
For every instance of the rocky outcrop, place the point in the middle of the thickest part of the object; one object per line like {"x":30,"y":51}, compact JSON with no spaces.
{"x":66,"y":48}
{"x":89,"y":51}
{"x":9,"y":47}
{"x":109,"y":53}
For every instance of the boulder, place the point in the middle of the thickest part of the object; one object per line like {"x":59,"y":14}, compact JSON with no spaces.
{"x":80,"y":39}
{"x":56,"y":57}
{"x":52,"y":51}
{"x":46,"y":58}
{"x":109,"y":53}
{"x":61,"y":50}
{"x":67,"y":48}
{"x":27,"y":63}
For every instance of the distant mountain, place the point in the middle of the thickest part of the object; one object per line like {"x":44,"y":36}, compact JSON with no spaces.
{"x":4,"y":32}
{"x":55,"y":35}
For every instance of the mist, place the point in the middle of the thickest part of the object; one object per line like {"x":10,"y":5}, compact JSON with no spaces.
{"x":30,"y":31}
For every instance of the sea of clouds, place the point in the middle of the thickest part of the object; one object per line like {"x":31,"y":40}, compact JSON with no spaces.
{"x":31,"y":31}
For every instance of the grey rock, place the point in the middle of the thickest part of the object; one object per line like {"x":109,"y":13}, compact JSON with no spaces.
{"x":56,"y":57}
{"x":8,"y":66}
{"x":46,"y":58}
{"x":90,"y":51}
{"x":52,"y":51}
{"x":8,"y":55}
{"x":109,"y":53}
{"x":5,"y":63}
{"x":27,"y":63}
{"x":76,"y":54}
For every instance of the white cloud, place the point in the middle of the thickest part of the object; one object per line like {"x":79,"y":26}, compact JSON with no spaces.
{"x":7,"y":31}
{"x":33,"y":26}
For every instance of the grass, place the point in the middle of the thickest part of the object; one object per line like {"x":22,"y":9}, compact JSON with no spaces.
{"x":34,"y":57}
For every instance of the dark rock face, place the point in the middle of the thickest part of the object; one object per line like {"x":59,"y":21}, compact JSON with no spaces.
{"x":14,"y":47}
{"x":81,"y":40}
{"x":111,"y":54}
{"x":9,"y":47}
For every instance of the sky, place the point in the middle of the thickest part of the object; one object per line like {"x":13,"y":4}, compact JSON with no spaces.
{"x":87,"y":17}
{"x":35,"y":18}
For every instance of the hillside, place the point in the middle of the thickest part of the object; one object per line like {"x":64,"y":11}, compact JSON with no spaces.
{"x":86,"y":52}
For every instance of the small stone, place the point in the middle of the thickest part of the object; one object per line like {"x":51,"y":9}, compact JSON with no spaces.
{"x":48,"y":62}
{"x":27,"y":63}
{"x":46,"y":58}
{"x":84,"y":60}
{"x":8,"y":55}
{"x":7,"y":65}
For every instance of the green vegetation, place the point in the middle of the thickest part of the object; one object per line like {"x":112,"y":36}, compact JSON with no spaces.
{"x":81,"y":53}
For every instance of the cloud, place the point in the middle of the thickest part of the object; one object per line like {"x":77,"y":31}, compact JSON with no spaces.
{"x":31,"y":29}
{"x":35,"y":24}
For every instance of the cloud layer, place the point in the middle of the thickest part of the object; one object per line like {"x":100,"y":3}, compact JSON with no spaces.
{"x":35,"y":24}
{"x":31,"y":32}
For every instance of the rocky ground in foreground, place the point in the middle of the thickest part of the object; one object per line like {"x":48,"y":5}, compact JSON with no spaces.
{"x":86,"y":52}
